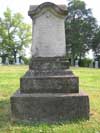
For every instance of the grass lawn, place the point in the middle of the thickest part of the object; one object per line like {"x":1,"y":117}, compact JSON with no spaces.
{"x":89,"y":82}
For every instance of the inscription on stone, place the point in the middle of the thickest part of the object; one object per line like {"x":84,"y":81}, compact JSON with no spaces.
{"x":48,"y":36}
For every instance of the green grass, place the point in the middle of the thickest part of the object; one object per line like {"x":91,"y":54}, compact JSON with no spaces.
{"x":89,"y":82}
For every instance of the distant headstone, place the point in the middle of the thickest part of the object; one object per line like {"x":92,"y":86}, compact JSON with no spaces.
{"x":49,"y":91}
{"x":96,"y":64}
{"x":0,"y":61}
{"x":6,"y":61}
{"x":91,"y":64}
{"x":76,"y":63}
{"x":17,"y":61}
{"x":22,"y":62}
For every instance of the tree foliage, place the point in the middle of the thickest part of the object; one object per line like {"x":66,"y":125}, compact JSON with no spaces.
{"x":80,"y":28}
{"x":96,"y":43}
{"x":14,"y":34}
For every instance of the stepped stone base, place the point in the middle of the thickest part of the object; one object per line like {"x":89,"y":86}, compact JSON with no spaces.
{"x":49,"y":84}
{"x":48,"y":63}
{"x":49,"y":107}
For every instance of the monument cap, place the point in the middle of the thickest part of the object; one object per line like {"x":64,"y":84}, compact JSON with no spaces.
{"x":59,"y":9}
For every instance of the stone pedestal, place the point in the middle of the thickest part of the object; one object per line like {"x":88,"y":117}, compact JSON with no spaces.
{"x":49,"y":95}
{"x":49,"y":91}
{"x":49,"y":107}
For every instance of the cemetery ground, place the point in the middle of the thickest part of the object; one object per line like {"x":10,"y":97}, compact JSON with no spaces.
{"x":89,"y":82}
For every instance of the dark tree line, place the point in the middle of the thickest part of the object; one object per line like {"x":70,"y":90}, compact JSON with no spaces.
{"x":82,"y":31}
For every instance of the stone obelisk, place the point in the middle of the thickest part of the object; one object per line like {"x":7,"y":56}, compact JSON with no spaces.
{"x":49,"y":91}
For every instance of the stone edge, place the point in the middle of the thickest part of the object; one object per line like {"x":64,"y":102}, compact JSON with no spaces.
{"x":35,"y":9}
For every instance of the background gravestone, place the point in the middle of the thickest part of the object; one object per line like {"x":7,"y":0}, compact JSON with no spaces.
{"x":96,"y":64}
{"x":76,"y":63}
{"x":17,"y":61}
{"x":49,"y":91}
{"x":0,"y":60}
{"x":7,"y":61}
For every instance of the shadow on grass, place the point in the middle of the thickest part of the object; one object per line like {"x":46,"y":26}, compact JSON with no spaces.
{"x":41,"y":124}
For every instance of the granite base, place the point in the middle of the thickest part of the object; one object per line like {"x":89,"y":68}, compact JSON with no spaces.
{"x":49,"y":107}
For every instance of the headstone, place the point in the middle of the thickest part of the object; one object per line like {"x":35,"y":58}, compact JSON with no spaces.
{"x":7,"y":61}
{"x":22,"y":62}
{"x":17,"y":61}
{"x":76,"y":63}
{"x":96,"y":64}
{"x":91,"y":64}
{"x":0,"y":61}
{"x":49,"y":91}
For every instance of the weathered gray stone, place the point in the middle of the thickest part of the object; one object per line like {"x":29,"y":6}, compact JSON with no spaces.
{"x":53,"y":72}
{"x":48,"y":30}
{"x":0,"y":60}
{"x":7,"y":61}
{"x":50,"y":84}
{"x":76,"y":63}
{"x":17,"y":61}
{"x":49,"y":107}
{"x":96,"y":64}
{"x":49,"y":91}
{"x":48,"y":63}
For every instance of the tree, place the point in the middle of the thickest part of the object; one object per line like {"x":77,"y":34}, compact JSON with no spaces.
{"x":80,"y":27}
{"x":96,"y":42}
{"x":15,"y":35}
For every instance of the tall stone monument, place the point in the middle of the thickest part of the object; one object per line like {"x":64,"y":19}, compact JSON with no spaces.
{"x":49,"y":91}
